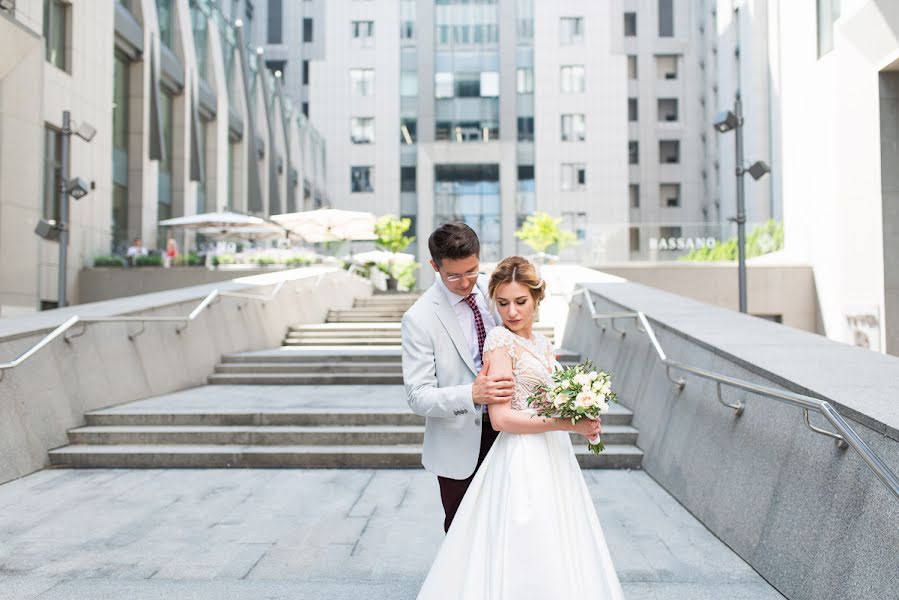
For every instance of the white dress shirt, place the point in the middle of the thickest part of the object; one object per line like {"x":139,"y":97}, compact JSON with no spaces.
{"x":466,"y":317}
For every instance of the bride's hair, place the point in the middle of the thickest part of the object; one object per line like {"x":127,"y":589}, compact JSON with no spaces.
{"x":517,"y":269}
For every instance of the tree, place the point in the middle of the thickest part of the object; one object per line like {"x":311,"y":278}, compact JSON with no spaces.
{"x":391,"y":233}
{"x":541,"y":231}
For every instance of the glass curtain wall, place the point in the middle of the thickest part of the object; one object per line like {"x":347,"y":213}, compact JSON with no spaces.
{"x":466,"y":73}
{"x":470,"y":194}
{"x":525,"y":194}
{"x":409,"y":118}
{"x":200,"y":10}
{"x":120,"y":154}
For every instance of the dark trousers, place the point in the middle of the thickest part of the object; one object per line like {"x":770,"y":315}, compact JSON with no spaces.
{"x":453,"y":490}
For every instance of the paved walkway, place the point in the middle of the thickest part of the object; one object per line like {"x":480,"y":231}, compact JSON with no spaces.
{"x":287,"y":534}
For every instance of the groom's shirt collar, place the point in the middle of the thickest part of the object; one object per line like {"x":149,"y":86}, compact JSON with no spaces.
{"x":453,"y":297}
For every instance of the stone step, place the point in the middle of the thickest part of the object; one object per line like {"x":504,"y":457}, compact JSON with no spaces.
{"x":363,"y":319}
{"x":375,"y":378}
{"x":309,"y":456}
{"x":392,"y":368}
{"x":309,"y":417}
{"x":286,"y":435}
{"x":264,"y":435}
{"x":341,"y":341}
{"x":343,"y":333}
{"x":305,"y":355}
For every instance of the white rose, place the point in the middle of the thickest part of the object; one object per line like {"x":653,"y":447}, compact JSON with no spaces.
{"x":597,"y":386}
{"x":565,"y":384}
{"x":603,"y":406}
{"x":606,"y":388}
{"x":586,"y":399}
{"x":581,"y":379}
{"x":593,"y":375}
{"x":558,"y":400}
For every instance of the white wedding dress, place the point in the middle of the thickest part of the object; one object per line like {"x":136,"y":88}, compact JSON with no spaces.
{"x":526,"y":528}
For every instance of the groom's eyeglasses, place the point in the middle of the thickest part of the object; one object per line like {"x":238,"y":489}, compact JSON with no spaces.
{"x":470,"y":275}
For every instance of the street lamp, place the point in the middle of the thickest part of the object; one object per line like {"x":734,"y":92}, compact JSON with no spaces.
{"x":75,"y":187}
{"x":733,"y":120}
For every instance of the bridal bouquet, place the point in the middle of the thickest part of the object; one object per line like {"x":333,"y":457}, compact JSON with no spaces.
{"x":578,"y":392}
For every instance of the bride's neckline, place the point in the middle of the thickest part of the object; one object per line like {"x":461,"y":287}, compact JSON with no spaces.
{"x":532,"y":339}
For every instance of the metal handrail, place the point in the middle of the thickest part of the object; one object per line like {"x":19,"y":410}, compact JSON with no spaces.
{"x":186,"y":320}
{"x":845,"y":438}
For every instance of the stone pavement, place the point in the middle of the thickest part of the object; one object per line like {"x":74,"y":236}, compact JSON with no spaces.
{"x":288,"y":534}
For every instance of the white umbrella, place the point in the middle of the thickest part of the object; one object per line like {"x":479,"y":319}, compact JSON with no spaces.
{"x":220,"y":219}
{"x":329,"y":225}
{"x":380,"y":256}
{"x":251,"y":232}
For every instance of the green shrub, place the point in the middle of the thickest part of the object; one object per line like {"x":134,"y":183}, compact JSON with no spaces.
{"x":109,"y":261}
{"x":299,"y":260}
{"x":768,"y":237}
{"x":263,"y":261}
{"x":191,"y":259}
{"x":391,"y":233}
{"x":223,"y":259}
{"x":151,"y":260}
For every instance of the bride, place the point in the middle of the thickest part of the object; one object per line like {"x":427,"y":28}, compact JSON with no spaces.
{"x":526,"y":528}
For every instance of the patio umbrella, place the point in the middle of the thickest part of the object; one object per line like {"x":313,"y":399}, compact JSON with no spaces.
{"x":266,"y":231}
{"x":219,"y":219}
{"x":329,"y":225}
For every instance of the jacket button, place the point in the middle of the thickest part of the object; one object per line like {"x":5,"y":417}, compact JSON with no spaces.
{"x":477,"y":421}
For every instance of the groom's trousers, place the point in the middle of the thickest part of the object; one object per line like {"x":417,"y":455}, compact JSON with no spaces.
{"x":453,"y":490}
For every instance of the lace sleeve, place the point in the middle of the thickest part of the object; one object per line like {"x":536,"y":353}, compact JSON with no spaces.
{"x":500,"y":337}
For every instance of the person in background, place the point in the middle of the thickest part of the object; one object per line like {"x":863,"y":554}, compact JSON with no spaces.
{"x":135,"y":250}
{"x":171,"y":253}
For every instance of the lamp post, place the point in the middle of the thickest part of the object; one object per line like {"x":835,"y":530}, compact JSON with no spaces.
{"x":724,"y":122}
{"x":77,"y":188}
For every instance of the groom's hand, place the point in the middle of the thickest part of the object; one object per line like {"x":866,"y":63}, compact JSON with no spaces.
{"x":491,"y":389}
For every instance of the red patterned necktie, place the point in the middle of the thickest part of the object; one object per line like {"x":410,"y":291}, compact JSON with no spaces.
{"x":478,"y":324}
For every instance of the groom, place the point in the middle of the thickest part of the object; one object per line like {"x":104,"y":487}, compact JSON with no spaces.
{"x":446,"y":382}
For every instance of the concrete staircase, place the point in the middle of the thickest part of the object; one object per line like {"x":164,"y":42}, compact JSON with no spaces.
{"x":330,"y":397}
{"x":380,"y":308}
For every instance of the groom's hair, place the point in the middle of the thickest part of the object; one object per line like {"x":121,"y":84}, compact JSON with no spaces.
{"x":453,"y":241}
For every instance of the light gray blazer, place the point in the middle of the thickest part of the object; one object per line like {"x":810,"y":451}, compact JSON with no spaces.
{"x":438,"y":372}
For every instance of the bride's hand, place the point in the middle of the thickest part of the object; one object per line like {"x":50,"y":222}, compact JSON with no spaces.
{"x":586,"y":427}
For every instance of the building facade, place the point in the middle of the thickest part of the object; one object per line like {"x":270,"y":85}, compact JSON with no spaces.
{"x":186,"y":121}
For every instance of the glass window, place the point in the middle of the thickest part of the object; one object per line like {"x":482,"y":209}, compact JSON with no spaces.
{"x":634,"y":193}
{"x":443,"y":85}
{"x":120,"y":153}
{"x":408,"y":130}
{"x":525,"y":80}
{"x":631,"y":67}
{"x":669,"y":151}
{"x":363,"y":33}
{"x":631,"y":109}
{"x":407,"y":179}
{"x":633,"y":153}
{"x":408,"y":84}
{"x":634,"y":234}
{"x":525,"y":21}
{"x":470,"y":193}
{"x":52,"y":171}
{"x":56,"y":28}
{"x":669,"y":195}
{"x":574,"y":176}
{"x":407,"y":20}
{"x":362,"y":179}
{"x":200,"y":25}
{"x":828,"y":12}
{"x":630,"y":24}
{"x":571,"y":31}
{"x":362,"y":82}
{"x":165,"y":14}
{"x":574,"y":128}
{"x":666,"y":18}
{"x":307,"y":29}
{"x":666,"y":66}
{"x":525,"y":129}
{"x":305,"y":72}
{"x":573,"y":79}
{"x":362,"y":130}
{"x":275,"y":19}
{"x":668,"y":109}
{"x":489,"y":84}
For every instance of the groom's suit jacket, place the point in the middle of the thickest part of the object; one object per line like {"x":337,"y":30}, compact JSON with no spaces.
{"x":438,"y":371}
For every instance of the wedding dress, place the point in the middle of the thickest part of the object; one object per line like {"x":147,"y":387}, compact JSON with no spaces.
{"x":526,"y":528}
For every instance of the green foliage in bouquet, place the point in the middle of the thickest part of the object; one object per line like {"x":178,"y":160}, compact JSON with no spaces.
{"x":575,"y":393}
{"x":391,"y":233}
{"x":541,"y":231}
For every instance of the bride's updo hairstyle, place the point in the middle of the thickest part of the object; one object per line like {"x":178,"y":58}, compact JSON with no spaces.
{"x":517,"y":269}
